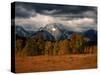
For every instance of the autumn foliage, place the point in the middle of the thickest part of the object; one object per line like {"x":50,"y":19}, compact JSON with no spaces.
{"x":34,"y":46}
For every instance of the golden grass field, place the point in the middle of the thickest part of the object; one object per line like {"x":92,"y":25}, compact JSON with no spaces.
{"x":54,"y":63}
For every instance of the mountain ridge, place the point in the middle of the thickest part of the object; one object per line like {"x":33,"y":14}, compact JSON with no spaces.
{"x":55,"y":32}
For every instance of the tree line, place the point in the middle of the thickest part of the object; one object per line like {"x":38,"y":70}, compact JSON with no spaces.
{"x":34,"y":46}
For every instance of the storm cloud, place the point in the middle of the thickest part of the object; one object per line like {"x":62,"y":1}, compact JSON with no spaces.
{"x":75,"y":17}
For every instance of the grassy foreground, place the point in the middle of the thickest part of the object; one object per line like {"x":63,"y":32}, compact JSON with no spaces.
{"x":54,"y":63}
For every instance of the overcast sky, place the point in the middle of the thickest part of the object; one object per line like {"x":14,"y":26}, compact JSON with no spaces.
{"x":77,"y":18}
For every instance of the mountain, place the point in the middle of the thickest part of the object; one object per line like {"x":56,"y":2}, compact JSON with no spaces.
{"x":58,"y":30}
{"x":91,"y":35}
{"x":66,"y":35}
{"x":23,"y":32}
{"x":54,"y":31}
{"x":43,"y":34}
{"x":20,"y":31}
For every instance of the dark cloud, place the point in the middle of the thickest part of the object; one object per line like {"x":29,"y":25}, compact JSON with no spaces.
{"x":27,"y":9}
{"x":21,"y":11}
{"x":38,"y":15}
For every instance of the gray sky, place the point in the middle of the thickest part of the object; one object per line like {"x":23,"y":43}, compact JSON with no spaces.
{"x":77,"y":18}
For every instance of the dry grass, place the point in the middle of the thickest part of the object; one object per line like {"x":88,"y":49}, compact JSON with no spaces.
{"x":53,"y":63}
